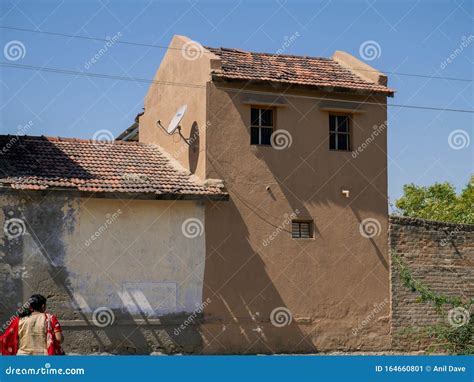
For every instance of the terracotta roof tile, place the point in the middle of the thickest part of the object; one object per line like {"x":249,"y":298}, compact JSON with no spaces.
{"x":298,"y":70}
{"x":41,"y":163}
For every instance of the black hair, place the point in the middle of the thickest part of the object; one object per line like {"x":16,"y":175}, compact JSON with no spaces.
{"x":34,"y":304}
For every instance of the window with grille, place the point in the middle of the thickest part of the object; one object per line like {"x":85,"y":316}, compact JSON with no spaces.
{"x":301,"y":229}
{"x":261,"y":126}
{"x":339,"y":132}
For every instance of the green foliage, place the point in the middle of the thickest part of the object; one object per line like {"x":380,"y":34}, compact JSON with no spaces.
{"x":426,"y":294}
{"x":443,"y":338}
{"x":450,"y":339}
{"x":438,"y":202}
{"x":440,"y":337}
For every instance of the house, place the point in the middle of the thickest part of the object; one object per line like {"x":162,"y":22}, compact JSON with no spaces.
{"x":111,"y":232}
{"x":258,"y":226}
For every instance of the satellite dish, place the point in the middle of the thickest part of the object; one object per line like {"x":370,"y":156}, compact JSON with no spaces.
{"x":174,"y":123}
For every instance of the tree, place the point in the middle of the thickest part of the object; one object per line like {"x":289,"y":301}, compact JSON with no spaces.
{"x":438,"y":202}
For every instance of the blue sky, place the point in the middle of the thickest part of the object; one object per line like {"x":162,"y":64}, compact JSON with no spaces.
{"x":411,"y":37}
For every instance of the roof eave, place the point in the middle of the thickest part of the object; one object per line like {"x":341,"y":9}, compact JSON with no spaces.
{"x":216,"y":77}
{"x":70,"y":192}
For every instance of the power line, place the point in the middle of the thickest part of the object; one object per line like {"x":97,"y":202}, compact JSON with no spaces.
{"x":96,"y":75}
{"x":85,"y":37}
{"x":143,"y":80}
{"x":167,"y":47}
{"x":416,"y":75}
{"x":363,"y":102}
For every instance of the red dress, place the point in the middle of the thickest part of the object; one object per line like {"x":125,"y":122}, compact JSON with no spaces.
{"x":9,"y":340}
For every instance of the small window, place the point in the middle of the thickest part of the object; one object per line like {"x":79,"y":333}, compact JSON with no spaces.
{"x":339,"y":132}
{"x":261,"y":126}
{"x":301,"y":229}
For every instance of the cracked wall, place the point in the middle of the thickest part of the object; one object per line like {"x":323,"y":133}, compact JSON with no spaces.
{"x":125,"y":262}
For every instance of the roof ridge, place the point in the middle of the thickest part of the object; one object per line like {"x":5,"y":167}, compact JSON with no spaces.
{"x":327,"y":74}
{"x":71,"y":139}
{"x":272,"y":54}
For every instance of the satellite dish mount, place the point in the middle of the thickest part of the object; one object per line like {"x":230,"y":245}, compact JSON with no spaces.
{"x":174,"y":123}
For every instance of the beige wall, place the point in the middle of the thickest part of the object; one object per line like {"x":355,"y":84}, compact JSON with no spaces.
{"x":329,"y":283}
{"x":144,"y":263}
{"x":129,"y":256}
{"x":181,"y":65}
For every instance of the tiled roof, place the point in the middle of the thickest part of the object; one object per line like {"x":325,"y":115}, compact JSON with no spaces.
{"x":299,"y":70}
{"x":42,"y":163}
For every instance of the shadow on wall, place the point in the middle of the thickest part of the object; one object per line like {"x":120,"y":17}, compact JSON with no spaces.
{"x":30,"y":220}
{"x":11,"y":267}
{"x":242,"y":294}
{"x":382,"y":259}
{"x":194,"y":147}
{"x":38,"y":256}
{"x":33,"y":260}
{"x":244,"y":280}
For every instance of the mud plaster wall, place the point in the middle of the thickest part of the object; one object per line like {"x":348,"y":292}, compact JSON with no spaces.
{"x":127,"y":261}
{"x":441,"y":255}
{"x":56,"y":257}
{"x":336,"y":284}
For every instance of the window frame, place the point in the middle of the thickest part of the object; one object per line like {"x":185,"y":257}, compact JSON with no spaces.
{"x":349,"y":134}
{"x":310,"y":222}
{"x":259,"y":126}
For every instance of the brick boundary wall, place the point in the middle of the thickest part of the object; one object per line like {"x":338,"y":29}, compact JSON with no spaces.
{"x":441,"y":256}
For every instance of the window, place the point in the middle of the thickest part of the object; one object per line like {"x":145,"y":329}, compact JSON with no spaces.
{"x":261,"y":126}
{"x":301,"y":229}
{"x":339,"y":132}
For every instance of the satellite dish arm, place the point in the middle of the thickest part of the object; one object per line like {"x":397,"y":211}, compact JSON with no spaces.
{"x":158,"y":123}
{"x":182,"y":136}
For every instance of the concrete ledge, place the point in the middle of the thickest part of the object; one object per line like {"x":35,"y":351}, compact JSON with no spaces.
{"x":135,"y":322}
{"x":179,"y":321}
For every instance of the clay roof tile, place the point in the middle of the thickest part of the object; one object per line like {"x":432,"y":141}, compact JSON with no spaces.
{"x":40,"y":163}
